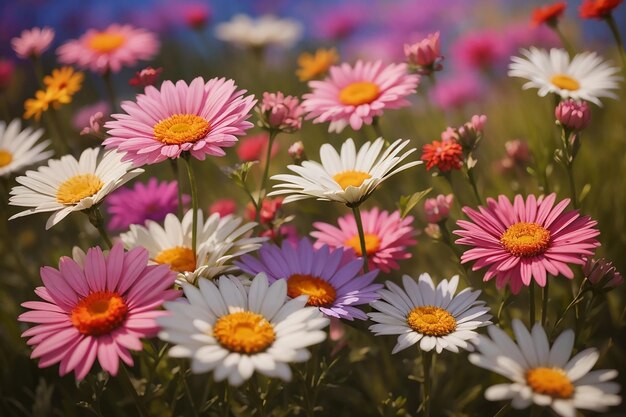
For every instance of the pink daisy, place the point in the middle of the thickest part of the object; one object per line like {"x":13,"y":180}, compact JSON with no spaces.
{"x":96,"y":305}
{"x":111,"y":49}
{"x":32,"y":43}
{"x":200,"y":118}
{"x":387,"y":236}
{"x":525,"y":240}
{"x":355,"y":95}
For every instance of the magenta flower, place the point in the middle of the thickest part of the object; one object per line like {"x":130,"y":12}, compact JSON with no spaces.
{"x":456,"y":92}
{"x":32,"y":43}
{"x":333,"y":285}
{"x":200,"y":118}
{"x":525,"y":240}
{"x":99,"y":306}
{"x":355,"y":95}
{"x":572,"y":114}
{"x":425,"y":54}
{"x":438,"y":208}
{"x":482,"y":50}
{"x":150,"y":201}
{"x":109,"y":50}
{"x":280,"y":112}
{"x":387,"y":237}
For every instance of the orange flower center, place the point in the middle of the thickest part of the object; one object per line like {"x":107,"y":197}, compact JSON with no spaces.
{"x":320,"y":292}
{"x":431,"y":321}
{"x":106,"y":42}
{"x":244,"y":332}
{"x":525,"y":240}
{"x":550,"y":381}
{"x":565,"y":82}
{"x":362,"y":92}
{"x":99,"y":313}
{"x":74,"y":189}
{"x":181,"y":128}
{"x":351,"y":178}
{"x":5,"y":158}
{"x":372,"y":244}
{"x":179,"y":258}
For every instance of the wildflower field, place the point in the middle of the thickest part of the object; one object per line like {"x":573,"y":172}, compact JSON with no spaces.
{"x":312,"y":208}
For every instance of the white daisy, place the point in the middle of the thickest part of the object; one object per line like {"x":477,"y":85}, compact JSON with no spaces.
{"x":234,"y":331}
{"x":586,"y":77}
{"x":545,"y":375}
{"x":18,"y":148}
{"x":220,"y":239}
{"x":66,"y":185}
{"x":435,"y":317}
{"x":267,"y":30}
{"x":349,"y":177}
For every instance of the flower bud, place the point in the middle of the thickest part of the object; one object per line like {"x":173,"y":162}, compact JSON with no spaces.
{"x":433,"y":231}
{"x":425,"y":55}
{"x":602,"y":274}
{"x":280,"y":112}
{"x":296,"y":151}
{"x":573,"y":115}
{"x":437,"y":209}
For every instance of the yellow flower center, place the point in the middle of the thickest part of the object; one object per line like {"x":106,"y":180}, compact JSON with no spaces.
{"x":550,"y":381}
{"x":525,"y":240}
{"x":351,"y":178}
{"x":320,"y":292}
{"x":362,"y":92}
{"x":106,"y":42}
{"x":431,"y":321}
{"x":74,"y":189}
{"x":99,"y":313}
{"x":565,"y":82}
{"x":244,"y":332}
{"x":5,"y":158}
{"x":179,"y":258}
{"x":372,"y":244}
{"x":181,"y":128}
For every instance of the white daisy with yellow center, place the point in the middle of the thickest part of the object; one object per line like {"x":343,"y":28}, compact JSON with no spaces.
{"x":19,"y":148}
{"x":233,"y":330}
{"x":220,"y":240}
{"x":433,"y":316}
{"x":244,"y":31}
{"x":544,"y":375}
{"x":348,"y":177}
{"x":66,"y":185}
{"x":585,"y":77}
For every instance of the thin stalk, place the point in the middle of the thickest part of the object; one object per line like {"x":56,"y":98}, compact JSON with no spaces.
{"x":266,"y":171}
{"x":610,"y":20}
{"x":125,"y":377}
{"x":61,"y":142}
{"x":95,"y":218}
{"x":572,"y":184}
{"x":501,"y":412}
{"x":427,"y":358}
{"x":472,"y":180}
{"x":38,"y":71}
{"x":194,"y":202}
{"x":110,"y":90}
{"x":194,"y":410}
{"x":577,"y":299}
{"x":176,"y":172}
{"x":531,"y":303}
{"x":564,"y":41}
{"x":544,"y":302}
{"x":377,"y":130}
{"x":359,"y":226}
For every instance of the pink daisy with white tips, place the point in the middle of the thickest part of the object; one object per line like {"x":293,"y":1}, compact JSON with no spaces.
{"x":200,"y":118}
{"x":97,"y":306}
{"x":356,"y":94}
{"x":526,"y":240}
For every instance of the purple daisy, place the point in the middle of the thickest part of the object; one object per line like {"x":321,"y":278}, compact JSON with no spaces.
{"x":150,"y":201}
{"x":333,"y":285}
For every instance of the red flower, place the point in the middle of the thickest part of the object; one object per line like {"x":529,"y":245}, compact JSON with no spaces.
{"x":145,"y":77}
{"x":445,"y":155}
{"x":597,"y":9}
{"x":269,"y":208}
{"x":548,"y":14}
{"x":254,"y":148}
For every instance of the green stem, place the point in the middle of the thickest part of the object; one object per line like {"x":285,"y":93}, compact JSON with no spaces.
{"x":176,"y":172}
{"x":572,"y":184}
{"x":544,"y":302}
{"x":531,"y":303}
{"x":359,"y":226}
{"x":125,"y":376}
{"x":472,"y":180}
{"x":194,"y":201}
{"x":564,"y":41}
{"x":574,"y":302}
{"x":38,"y":71}
{"x":501,"y":412}
{"x":266,"y":171}
{"x":59,"y":138}
{"x":188,"y":392}
{"x":426,"y":366}
{"x":377,"y":130}
{"x":110,"y":90}
{"x":618,"y":39}
{"x":95,"y":218}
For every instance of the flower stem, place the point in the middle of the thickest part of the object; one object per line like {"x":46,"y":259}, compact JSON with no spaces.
{"x":110,"y":90}
{"x":125,"y":376}
{"x":359,"y":226}
{"x":59,"y":141}
{"x":610,"y":20}
{"x":427,"y":358}
{"x":472,"y":180}
{"x":563,"y":39}
{"x":266,"y":171}
{"x":544,"y":302}
{"x":192,"y":404}
{"x":531,"y":303}
{"x":377,"y":130}
{"x":577,"y":299}
{"x":194,"y":201}
{"x":176,"y":172}
{"x":95,"y":218}
{"x":572,"y":184}
{"x":501,"y":412}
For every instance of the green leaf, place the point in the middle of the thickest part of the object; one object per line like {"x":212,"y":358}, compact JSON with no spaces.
{"x":407,"y":202}
{"x":584,"y":192}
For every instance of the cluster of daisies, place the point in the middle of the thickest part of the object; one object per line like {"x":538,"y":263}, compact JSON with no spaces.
{"x":233,"y":300}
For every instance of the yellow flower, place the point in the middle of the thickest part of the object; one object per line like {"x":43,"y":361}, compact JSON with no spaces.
{"x":51,"y":97}
{"x":315,"y":65}
{"x":65,"y":78}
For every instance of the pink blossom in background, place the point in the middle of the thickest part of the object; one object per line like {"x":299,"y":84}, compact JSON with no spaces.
{"x":96,"y":121}
{"x":280,"y":112}
{"x":254,"y":148}
{"x":223,"y":207}
{"x":33,"y":42}
{"x":483,"y":51}
{"x":145,"y":77}
{"x":150,"y":201}
{"x":425,"y":55}
{"x":454,"y":92}
{"x":82,"y":118}
{"x":522,"y":35}
{"x":7,"y":68}
{"x":438,"y":208}
{"x":196,"y":15}
{"x":340,"y":21}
